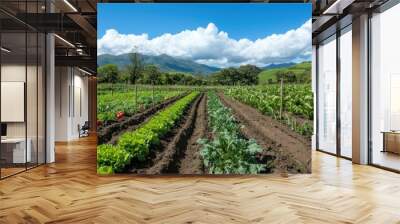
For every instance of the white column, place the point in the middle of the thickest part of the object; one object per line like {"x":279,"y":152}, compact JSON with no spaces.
{"x":360,"y":90}
{"x":50,"y":101}
{"x":314,"y":89}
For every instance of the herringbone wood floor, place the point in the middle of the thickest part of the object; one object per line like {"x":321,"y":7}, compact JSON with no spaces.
{"x":69,"y":191}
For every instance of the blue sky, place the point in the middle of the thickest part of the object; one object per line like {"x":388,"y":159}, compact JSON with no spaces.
{"x":250,"y":21}
{"x":219,"y":35}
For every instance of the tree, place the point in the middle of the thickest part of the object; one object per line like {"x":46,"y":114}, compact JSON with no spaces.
{"x":135,"y":68}
{"x":290,"y":77}
{"x":245,"y":74}
{"x":109,"y":74}
{"x":279,"y":75}
{"x":124,"y":76}
{"x":249,"y":74}
{"x":152,"y":75}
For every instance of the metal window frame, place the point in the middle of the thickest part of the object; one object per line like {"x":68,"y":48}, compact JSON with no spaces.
{"x":381,"y":9}
{"x":339,"y":27}
{"x":323,"y":36}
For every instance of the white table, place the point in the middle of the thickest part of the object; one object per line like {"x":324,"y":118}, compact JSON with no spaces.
{"x":19,"y":155}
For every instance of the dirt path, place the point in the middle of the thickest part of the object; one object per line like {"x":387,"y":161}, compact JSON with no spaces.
{"x":192,"y":162}
{"x":111,"y":133}
{"x":173,"y":148}
{"x":293,"y":150}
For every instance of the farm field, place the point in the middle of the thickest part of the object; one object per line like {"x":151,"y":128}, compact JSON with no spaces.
{"x":205,"y":95}
{"x":206,"y":130}
{"x":117,"y":101}
{"x":292,"y":104}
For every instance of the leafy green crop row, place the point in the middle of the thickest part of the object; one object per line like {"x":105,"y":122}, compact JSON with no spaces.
{"x":110,"y":102}
{"x":297,"y":102}
{"x":227,"y":152}
{"x":136,"y":145}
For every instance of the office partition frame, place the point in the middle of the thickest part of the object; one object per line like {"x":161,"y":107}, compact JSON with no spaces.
{"x":30,"y":30}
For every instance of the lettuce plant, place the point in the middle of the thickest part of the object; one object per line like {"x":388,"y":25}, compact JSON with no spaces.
{"x":136,"y":145}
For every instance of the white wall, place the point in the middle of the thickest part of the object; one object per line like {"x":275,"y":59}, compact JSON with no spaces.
{"x":14,"y":72}
{"x":33,"y":127}
{"x":70,"y":83}
{"x":62,"y":81}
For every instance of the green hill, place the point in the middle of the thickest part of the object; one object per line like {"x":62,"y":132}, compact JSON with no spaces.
{"x":165,"y":62}
{"x":302,"y":71}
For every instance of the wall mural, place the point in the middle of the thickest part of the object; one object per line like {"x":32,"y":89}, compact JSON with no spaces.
{"x":187,"y":89}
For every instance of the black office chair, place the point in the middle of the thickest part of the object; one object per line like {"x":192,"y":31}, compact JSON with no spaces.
{"x":84,"y":130}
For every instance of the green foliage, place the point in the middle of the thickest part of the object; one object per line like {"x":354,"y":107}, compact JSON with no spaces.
{"x":297,"y":102}
{"x":104,"y":170}
{"x":108,"y":73}
{"x":137,"y":73}
{"x":244,"y":75}
{"x":109,"y":102}
{"x":134,"y":68}
{"x":227,"y":152}
{"x":136,"y":145}
{"x":151,"y":75}
{"x":111,"y":159}
{"x":300,"y":73}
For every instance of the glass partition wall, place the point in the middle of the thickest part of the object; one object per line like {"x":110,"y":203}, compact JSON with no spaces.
{"x":385,"y":89}
{"x":22,"y":77}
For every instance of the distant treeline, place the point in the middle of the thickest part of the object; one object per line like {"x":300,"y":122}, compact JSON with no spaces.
{"x":138,"y":73}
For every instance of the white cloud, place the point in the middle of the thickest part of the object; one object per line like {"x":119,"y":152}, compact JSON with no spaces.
{"x":213,"y":47}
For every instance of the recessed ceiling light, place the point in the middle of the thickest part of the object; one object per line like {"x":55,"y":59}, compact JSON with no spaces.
{"x":86,"y":72}
{"x":70,"y":5}
{"x":64,"y":40}
{"x":5,"y":50}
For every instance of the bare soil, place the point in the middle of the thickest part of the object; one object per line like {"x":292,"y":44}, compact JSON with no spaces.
{"x":111,"y":133}
{"x":291,"y":150}
{"x":192,"y":162}
{"x":178,"y":152}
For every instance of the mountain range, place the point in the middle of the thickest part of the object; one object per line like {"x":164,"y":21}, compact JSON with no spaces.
{"x":282,"y":65}
{"x":168,"y":63}
{"x":165,"y":62}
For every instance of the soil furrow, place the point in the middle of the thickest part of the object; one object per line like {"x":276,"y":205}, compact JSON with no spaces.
{"x":173,"y":147}
{"x":111,"y":133}
{"x":293,"y":153}
{"x":192,"y":162}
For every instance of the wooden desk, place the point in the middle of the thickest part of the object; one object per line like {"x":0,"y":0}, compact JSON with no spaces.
{"x":16,"y":147}
{"x":391,"y":141}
